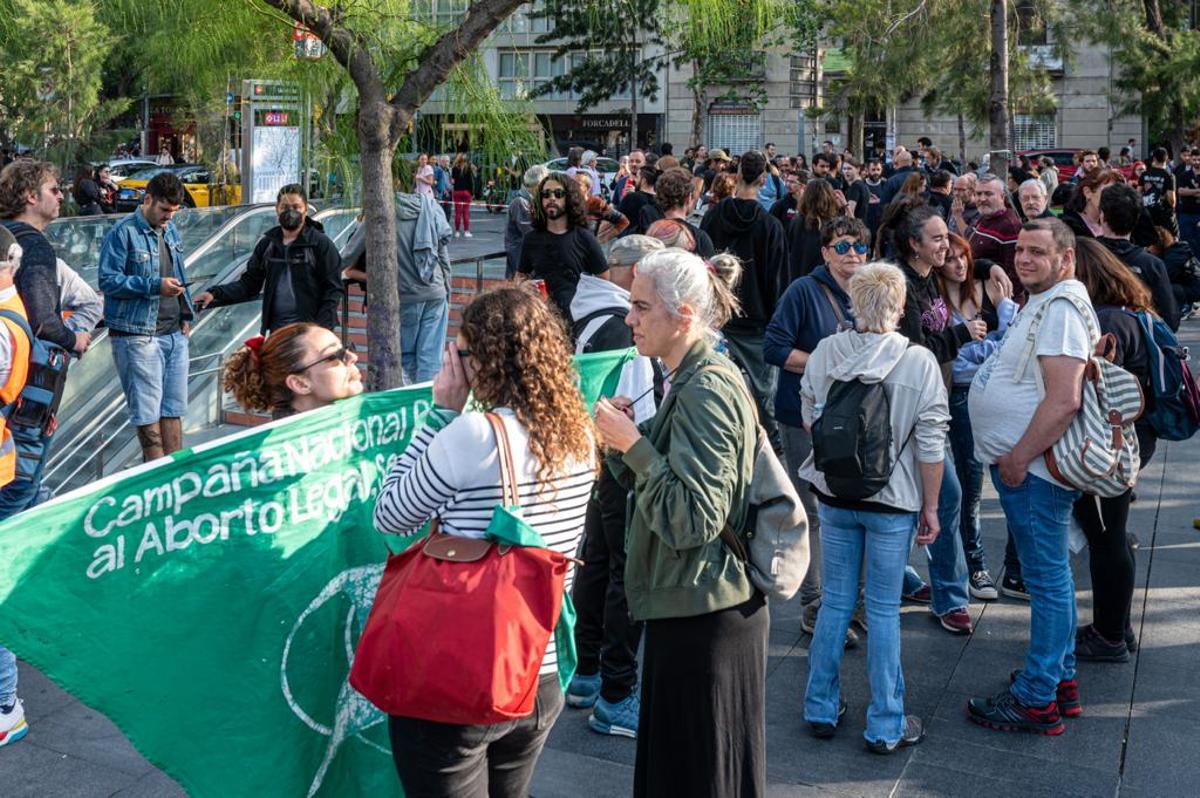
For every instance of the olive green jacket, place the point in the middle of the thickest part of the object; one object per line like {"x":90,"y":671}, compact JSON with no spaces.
{"x":690,"y":474}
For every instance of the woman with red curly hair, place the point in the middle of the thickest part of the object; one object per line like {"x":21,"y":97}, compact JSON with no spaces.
{"x":513,"y":359}
{"x":301,"y":366}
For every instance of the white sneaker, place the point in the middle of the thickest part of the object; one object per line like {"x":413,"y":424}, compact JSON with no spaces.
{"x":468,"y":234}
{"x":12,"y":724}
{"x":457,"y":234}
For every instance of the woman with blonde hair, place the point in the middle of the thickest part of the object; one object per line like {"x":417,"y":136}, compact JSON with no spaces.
{"x":872,"y":533}
{"x":704,"y":669}
{"x":299,"y":367}
{"x":513,"y":359}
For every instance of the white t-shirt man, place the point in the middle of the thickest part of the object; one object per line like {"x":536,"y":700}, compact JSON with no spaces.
{"x":1000,"y":408}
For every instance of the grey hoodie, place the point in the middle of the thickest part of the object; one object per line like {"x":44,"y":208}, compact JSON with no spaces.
{"x":916,"y":395}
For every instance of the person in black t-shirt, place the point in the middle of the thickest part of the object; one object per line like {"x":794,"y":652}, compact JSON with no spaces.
{"x":1187,"y":187}
{"x":634,"y":201}
{"x":559,"y":248}
{"x":858,"y":196}
{"x":675,"y":197}
{"x":785,"y":209}
{"x":1157,"y":186}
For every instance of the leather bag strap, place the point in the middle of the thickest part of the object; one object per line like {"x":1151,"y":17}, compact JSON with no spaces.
{"x":508,"y":474}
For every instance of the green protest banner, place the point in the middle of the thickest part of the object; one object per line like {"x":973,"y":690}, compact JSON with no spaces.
{"x":210,"y":604}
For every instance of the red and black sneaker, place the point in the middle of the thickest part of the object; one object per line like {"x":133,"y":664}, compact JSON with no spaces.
{"x":1067,"y":696}
{"x":1004,"y":712}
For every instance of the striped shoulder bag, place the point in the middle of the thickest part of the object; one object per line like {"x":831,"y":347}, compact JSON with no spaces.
{"x":1098,"y":453}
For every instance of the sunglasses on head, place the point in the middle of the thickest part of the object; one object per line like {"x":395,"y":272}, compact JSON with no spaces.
{"x":842,"y":247}
{"x":342,"y":354}
{"x":556,"y":193}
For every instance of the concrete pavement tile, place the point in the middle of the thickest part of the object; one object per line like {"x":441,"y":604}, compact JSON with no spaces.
{"x":40,"y":696}
{"x":155,"y":784}
{"x":27,"y":770}
{"x":86,"y":734}
{"x":571,"y":734}
{"x":1161,"y":757}
{"x":923,"y":779}
{"x":803,"y":791}
{"x":562,"y":774}
{"x":1093,"y":739}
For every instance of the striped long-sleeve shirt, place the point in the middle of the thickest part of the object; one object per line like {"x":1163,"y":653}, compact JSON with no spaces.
{"x":451,"y":469}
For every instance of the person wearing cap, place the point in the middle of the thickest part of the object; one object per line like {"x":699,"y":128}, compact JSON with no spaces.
{"x":605,"y":636}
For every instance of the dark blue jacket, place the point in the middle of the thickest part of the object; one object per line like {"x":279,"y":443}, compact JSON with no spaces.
{"x":802,"y":318}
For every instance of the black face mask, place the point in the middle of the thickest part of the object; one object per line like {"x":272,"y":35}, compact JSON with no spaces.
{"x":291,"y":219}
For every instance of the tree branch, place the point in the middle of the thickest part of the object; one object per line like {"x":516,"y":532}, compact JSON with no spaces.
{"x":450,"y":50}
{"x":347,"y":47}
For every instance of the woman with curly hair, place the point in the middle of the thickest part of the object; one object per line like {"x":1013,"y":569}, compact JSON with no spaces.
{"x":300,"y":367}
{"x":514,"y":360}
{"x":820,"y":203}
{"x":560,"y":247}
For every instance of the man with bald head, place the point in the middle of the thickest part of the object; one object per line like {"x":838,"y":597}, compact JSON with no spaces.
{"x":903,"y":161}
{"x":963,"y":212}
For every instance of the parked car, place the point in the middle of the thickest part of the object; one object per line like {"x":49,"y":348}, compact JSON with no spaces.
{"x":607,"y":168}
{"x":196,"y":180}
{"x":1064,"y":161}
{"x":122,"y":168}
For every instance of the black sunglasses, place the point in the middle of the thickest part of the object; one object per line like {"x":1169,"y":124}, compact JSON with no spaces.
{"x":342,"y":354}
{"x":556,"y":193}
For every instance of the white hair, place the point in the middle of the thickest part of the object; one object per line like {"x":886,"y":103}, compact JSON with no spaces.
{"x":877,"y":294}
{"x":1038,"y":184}
{"x":534,"y":175}
{"x":682,"y":278}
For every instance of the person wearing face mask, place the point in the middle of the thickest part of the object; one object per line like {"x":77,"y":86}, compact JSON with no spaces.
{"x":295,"y":267}
{"x":301,"y":367}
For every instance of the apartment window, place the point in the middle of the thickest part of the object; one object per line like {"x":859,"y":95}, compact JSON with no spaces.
{"x":1032,"y":28}
{"x":735,"y":132}
{"x":1034,"y":132}
{"x":523,"y":20}
{"x":521,"y":71}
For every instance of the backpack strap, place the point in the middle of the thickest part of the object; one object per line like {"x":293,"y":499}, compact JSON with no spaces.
{"x":741,"y":383}
{"x":1030,"y":343}
{"x":17,"y":319}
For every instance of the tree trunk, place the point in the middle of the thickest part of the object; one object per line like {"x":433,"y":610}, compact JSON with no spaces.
{"x":855,"y":138}
{"x":379,"y":206}
{"x":962,"y":142}
{"x":633,"y":93}
{"x":699,"y":107}
{"x":998,"y":103}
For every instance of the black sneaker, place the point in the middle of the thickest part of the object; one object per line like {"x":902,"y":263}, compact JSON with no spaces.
{"x":823,"y":731}
{"x":982,"y":586}
{"x":1091,"y":646}
{"x":1003,"y":712}
{"x":1066,"y":694}
{"x":1131,"y":641}
{"x":914,"y":732}
{"x":1014,"y":587}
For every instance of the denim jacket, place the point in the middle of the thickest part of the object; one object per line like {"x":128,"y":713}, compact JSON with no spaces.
{"x":130,"y":275}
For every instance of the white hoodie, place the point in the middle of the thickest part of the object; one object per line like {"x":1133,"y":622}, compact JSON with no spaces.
{"x":916,"y":396}
{"x":637,"y":376}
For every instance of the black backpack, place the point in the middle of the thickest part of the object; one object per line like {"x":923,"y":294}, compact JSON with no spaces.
{"x":852,"y":440}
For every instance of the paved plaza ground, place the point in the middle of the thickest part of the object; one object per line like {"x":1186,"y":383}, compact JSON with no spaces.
{"x":1137,"y":736}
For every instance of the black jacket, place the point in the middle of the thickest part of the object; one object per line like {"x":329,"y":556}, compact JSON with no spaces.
{"x":742,"y":228}
{"x":926,"y":319}
{"x":1152,"y":272}
{"x":315,"y":267}
{"x":804,"y":248}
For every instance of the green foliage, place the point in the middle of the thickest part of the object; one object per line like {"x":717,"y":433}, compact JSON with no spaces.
{"x":57,"y":46}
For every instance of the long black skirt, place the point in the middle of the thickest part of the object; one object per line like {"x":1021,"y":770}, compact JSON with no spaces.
{"x":702,"y":728}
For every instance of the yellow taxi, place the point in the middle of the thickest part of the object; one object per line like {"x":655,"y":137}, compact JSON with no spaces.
{"x":197,"y":180}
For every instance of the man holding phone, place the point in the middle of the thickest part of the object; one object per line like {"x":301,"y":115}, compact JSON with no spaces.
{"x":148,"y":310}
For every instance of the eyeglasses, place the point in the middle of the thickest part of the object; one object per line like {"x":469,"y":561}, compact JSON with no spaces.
{"x":842,"y":247}
{"x":556,"y":193}
{"x":343,"y":354}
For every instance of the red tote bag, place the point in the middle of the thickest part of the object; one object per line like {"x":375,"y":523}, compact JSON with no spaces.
{"x":460,"y":626}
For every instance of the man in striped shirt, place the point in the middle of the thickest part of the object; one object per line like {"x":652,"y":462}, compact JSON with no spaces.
{"x":994,"y":236}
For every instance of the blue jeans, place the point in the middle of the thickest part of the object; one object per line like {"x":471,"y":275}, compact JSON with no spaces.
{"x":154,"y":371}
{"x":1189,"y":230}
{"x":1039,"y":516}
{"x":21,"y":494}
{"x":848,"y":538}
{"x":970,"y":478}
{"x":947,"y":569}
{"x":422,"y":336}
{"x":8,"y":677}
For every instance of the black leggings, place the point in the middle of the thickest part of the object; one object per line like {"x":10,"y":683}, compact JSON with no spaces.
{"x":1110,"y":560}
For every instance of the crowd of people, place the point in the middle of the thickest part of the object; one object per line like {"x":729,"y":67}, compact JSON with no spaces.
{"x":897,"y":330}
